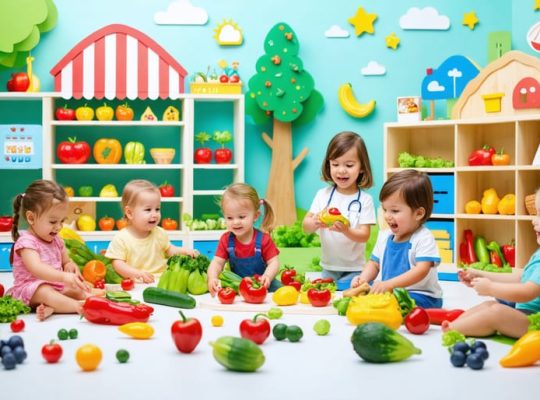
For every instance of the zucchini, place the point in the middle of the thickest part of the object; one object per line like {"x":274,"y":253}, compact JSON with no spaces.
{"x":376,"y":343}
{"x":238,"y":354}
{"x":164,"y":297}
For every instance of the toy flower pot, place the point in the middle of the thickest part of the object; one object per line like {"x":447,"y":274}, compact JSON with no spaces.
{"x":492,"y":102}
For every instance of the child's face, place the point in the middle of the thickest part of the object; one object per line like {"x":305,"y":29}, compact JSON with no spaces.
{"x":47,"y":225}
{"x":401,"y":218}
{"x":239,"y":217}
{"x":536,"y":219}
{"x":344,"y":170}
{"x":146,"y":213}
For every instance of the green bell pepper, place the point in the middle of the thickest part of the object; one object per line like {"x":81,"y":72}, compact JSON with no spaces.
{"x":134,"y":153}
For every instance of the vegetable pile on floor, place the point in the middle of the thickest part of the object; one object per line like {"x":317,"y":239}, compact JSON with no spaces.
{"x":10,"y":308}
{"x":185,"y":274}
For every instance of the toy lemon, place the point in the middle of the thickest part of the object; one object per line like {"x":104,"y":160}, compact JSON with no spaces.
{"x":331,"y":215}
{"x":285,"y":296}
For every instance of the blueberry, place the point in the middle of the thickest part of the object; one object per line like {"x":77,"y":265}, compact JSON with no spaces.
{"x":20,"y":354}
{"x":15,"y":341}
{"x":482,"y":352}
{"x":457,"y":358}
{"x":461,"y":346}
{"x":5,"y":350}
{"x":9,"y":361}
{"x":475,"y":361}
{"x":478,"y":344}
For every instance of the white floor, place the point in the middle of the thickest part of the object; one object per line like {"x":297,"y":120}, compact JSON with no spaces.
{"x":318,"y":367}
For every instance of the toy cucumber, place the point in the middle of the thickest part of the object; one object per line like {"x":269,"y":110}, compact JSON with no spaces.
{"x":164,"y":297}
{"x":238,"y":354}
{"x":331,"y":215}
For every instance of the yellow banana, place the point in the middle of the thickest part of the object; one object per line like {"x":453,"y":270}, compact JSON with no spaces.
{"x":68,"y":233}
{"x":350,"y":104}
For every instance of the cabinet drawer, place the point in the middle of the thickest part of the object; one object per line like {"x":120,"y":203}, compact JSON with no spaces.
{"x":206,"y":247}
{"x":5,"y":249}
{"x":443,"y":193}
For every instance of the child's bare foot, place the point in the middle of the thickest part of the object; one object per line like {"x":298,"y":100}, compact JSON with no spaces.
{"x":445,"y":326}
{"x":43,"y":312}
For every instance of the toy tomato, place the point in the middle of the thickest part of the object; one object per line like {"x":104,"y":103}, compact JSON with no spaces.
{"x":19,"y":82}
{"x":287,"y":275}
{"x":106,"y":223}
{"x":166,"y":189}
{"x":226,"y":295}
{"x":252,"y":290}
{"x":186,"y":333}
{"x":319,"y":297}
{"x":223,"y":156}
{"x":417,"y":321}
{"x":6,"y":223}
{"x":256,"y":329}
{"x":64,"y":113}
{"x":94,"y":270}
{"x":124,"y":112}
{"x":73,"y":152}
{"x":104,"y":113}
{"x":500,"y":158}
{"x":127,"y":284}
{"x":52,"y":352}
{"x":121,"y":223}
{"x":169,"y":224}
{"x":84,"y":113}
{"x":17,"y":325}
{"x":88,"y":357}
{"x":203,"y":155}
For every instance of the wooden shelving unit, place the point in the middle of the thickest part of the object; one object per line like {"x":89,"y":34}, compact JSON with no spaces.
{"x":455,"y":140}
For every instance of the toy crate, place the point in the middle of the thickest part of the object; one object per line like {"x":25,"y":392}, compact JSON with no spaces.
{"x":443,"y":193}
{"x":216,"y":88}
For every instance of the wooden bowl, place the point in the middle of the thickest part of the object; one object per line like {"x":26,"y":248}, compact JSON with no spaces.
{"x":162,"y":155}
{"x":529,"y":204}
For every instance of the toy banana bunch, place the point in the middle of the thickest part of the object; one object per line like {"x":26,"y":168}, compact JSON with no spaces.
{"x":331,"y":215}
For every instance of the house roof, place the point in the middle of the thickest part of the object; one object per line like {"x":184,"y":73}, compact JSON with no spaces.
{"x":118,"y":61}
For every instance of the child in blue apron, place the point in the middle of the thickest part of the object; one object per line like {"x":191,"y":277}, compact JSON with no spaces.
{"x":248,"y":250}
{"x":406,"y":254}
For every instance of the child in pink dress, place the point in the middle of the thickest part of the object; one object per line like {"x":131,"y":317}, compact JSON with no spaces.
{"x":45,"y":277}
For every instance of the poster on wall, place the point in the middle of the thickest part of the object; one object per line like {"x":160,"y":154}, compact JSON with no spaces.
{"x":21,"y":146}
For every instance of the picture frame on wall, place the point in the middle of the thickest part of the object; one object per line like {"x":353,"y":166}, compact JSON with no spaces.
{"x":409,"y":109}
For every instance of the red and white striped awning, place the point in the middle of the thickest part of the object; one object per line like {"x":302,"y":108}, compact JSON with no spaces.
{"x":118,"y":61}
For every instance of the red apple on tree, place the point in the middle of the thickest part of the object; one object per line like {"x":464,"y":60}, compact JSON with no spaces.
{"x":203,"y":155}
{"x":19,"y":82}
{"x":222,"y":155}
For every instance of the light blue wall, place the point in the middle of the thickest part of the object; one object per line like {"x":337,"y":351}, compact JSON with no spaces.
{"x":330,"y":61}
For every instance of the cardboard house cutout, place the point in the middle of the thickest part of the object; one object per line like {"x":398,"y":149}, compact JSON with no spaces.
{"x":491,"y":93}
{"x":118,"y":61}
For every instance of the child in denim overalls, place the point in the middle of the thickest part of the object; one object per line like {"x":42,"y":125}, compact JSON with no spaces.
{"x":249,"y":251}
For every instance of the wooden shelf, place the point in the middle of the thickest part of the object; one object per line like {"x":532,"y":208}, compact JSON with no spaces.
{"x":95,"y":167}
{"x":117,"y":123}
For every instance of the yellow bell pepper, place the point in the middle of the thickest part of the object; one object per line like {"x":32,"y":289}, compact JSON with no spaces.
{"x":303,"y":297}
{"x":525,"y":352}
{"x":285,"y":296}
{"x":490,"y":201}
{"x":137,"y":330}
{"x":382,"y":308}
{"x":507,"y":205}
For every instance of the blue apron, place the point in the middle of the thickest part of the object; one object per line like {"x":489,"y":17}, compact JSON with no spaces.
{"x":396,"y":262}
{"x":250,"y":266}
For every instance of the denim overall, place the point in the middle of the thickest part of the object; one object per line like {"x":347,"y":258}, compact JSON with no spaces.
{"x":250,"y":266}
{"x":396,"y":262}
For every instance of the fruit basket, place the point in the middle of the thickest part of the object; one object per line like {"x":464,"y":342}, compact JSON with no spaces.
{"x":529,"y":204}
{"x":163,"y":155}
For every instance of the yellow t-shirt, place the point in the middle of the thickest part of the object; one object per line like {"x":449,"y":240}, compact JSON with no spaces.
{"x":148,"y":254}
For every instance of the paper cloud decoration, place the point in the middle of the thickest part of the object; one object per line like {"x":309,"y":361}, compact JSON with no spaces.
{"x":427,"y":18}
{"x":336,"y":31}
{"x":228,"y":33}
{"x":373,"y":68}
{"x":181,"y":12}
{"x":449,"y":80}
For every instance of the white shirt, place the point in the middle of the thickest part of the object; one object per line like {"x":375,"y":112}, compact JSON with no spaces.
{"x":423,"y":247}
{"x":338,"y":253}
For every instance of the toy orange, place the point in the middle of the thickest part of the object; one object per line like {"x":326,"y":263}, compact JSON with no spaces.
{"x":93,"y":271}
{"x":88,"y":357}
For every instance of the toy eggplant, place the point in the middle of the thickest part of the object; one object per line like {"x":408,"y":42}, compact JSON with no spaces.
{"x":331,"y":215}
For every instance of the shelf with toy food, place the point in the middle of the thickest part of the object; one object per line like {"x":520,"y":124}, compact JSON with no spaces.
{"x":96,"y":199}
{"x":116,"y":166}
{"x":116,"y":123}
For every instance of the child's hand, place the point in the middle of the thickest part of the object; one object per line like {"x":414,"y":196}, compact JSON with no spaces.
{"x":192,"y":253}
{"x":75,"y":281}
{"x":265,"y":281}
{"x":381,"y":287}
{"x":318,"y":223}
{"x":482,"y":286}
{"x":213,"y":286}
{"x":357,"y":281}
{"x":466,"y":276}
{"x":146,"y":277}
{"x":339,"y":227}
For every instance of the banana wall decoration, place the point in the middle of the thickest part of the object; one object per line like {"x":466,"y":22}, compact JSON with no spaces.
{"x":350,"y":104}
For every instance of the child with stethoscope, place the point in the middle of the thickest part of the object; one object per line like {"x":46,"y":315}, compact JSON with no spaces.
{"x":347,"y":168}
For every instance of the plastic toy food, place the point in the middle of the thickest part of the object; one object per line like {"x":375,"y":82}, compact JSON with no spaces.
{"x":237,"y":354}
{"x":256,"y":329}
{"x":137,"y":330}
{"x":106,"y":223}
{"x":73,"y":152}
{"x":19,"y":82}
{"x":64,"y":113}
{"x":285,"y":296}
{"x":84,"y":113}
{"x":134,"y":153}
{"x":319,"y":297}
{"x":481,"y":156}
{"x":166,"y":189}
{"x":222,"y":155}
{"x":127,"y":284}
{"x":203,"y":155}
{"x":104,"y":113}
{"x":108,"y":191}
{"x":331,"y":215}
{"x":124,"y":112}
{"x":52,"y":352}
{"x":251,"y":290}
{"x":186,"y":333}
{"x":148,"y":115}
{"x":93,"y":271}
{"x":107,"y":151}
{"x":88,"y":357}
{"x":490,"y":201}
{"x":417,"y":321}
{"x":525,"y":352}
{"x":103,"y":311}
{"x":6,"y":223}
{"x":350,"y":104}
{"x":86,"y":223}
{"x":382,"y":308}
{"x":169,"y":224}
{"x":226,"y":295}
{"x":171,"y":114}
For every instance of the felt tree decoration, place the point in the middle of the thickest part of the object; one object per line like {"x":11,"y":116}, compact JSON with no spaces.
{"x":283,"y":93}
{"x":21,"y":24}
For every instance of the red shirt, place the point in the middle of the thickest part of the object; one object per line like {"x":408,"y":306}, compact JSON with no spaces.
{"x":241,"y":250}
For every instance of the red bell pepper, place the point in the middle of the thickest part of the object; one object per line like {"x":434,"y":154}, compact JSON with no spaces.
{"x":466,"y":248}
{"x":322,"y":280}
{"x":482,"y":156}
{"x":438,"y":315}
{"x":252,"y":290}
{"x":319,"y":297}
{"x":226,"y":295}
{"x":295,"y":284}
{"x":288,"y":275}
{"x":186,"y":333}
{"x":100,"y":310}
{"x":256,"y":329}
{"x":509,"y":251}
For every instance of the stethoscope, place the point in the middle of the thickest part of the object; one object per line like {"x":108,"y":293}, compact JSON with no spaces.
{"x":352,"y":204}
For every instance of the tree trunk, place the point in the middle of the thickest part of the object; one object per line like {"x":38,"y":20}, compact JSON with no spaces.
{"x":280,"y":189}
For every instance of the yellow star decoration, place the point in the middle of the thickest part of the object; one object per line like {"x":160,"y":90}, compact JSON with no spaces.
{"x":536,"y":5}
{"x":470,"y":20}
{"x":362,"y":22}
{"x":392,"y":41}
